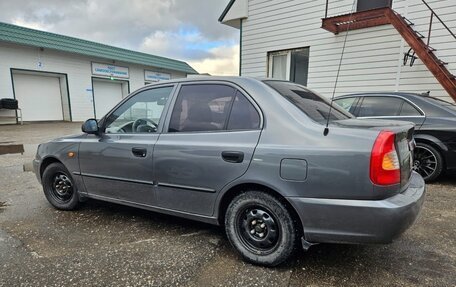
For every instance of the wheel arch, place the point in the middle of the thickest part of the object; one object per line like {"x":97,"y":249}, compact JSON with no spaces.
{"x":233,"y":191}
{"x":435,"y":143}
{"x":46,"y":162}
{"x":431,"y":140}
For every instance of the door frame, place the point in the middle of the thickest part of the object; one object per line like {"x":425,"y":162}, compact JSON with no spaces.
{"x":37,"y":73}
{"x":163,"y":117}
{"x":208,"y":82}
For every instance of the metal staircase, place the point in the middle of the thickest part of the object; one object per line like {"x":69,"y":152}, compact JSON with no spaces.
{"x":414,"y":39}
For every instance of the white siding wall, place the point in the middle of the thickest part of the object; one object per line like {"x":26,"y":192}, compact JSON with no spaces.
{"x":77,"y":68}
{"x":373,"y":56}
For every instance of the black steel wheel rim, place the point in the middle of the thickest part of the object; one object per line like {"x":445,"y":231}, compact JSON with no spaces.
{"x":424,"y":162}
{"x":258,"y":229}
{"x":61,"y":187}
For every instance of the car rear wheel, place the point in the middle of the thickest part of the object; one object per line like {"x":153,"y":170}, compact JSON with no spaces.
{"x":261,"y":228}
{"x":59,"y":187}
{"x":427,"y":161}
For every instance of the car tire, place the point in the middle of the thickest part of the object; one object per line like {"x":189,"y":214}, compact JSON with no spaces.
{"x":261,"y":228}
{"x":428,"y":162}
{"x":59,"y":187}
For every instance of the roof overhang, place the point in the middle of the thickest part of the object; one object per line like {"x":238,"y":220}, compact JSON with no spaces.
{"x":14,"y":34}
{"x":234,"y":12}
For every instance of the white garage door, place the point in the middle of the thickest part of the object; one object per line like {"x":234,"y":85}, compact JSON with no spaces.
{"x":39,"y":97}
{"x":107,"y":94}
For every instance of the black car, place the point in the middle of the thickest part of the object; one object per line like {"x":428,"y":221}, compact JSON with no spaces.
{"x":435,"y":125}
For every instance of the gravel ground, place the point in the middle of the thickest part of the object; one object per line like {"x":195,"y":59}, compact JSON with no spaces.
{"x":104,"y":244}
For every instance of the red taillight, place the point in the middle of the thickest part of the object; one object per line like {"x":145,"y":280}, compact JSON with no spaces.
{"x":384,"y":165}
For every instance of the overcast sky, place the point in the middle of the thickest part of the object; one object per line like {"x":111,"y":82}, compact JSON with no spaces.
{"x":182,"y":29}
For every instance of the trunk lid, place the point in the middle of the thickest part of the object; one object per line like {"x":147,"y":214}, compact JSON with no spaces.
{"x":404,"y":141}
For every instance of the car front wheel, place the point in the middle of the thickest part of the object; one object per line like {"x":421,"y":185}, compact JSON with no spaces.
{"x":59,"y":187}
{"x":261,"y":228}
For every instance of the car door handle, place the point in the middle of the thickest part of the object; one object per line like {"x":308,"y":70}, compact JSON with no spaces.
{"x":233,"y":156}
{"x":139,"y":151}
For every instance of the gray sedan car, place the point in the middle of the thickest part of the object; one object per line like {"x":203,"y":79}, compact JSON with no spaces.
{"x":254,"y":156}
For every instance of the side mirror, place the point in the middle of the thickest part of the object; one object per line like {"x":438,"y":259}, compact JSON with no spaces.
{"x":90,"y":126}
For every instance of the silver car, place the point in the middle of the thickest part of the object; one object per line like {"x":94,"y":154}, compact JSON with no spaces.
{"x":266,"y":159}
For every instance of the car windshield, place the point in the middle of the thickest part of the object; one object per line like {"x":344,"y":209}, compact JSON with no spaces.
{"x":313,"y":105}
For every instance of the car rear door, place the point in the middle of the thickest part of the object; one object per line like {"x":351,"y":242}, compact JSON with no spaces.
{"x":118,"y":164}
{"x":210,"y":138}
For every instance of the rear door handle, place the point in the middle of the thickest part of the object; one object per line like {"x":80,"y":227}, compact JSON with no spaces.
{"x":139,"y":151}
{"x":233,"y":156}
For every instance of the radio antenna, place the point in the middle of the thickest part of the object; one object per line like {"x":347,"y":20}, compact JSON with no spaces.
{"x":326,"y":130}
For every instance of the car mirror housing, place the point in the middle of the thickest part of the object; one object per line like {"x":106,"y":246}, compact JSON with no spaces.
{"x":90,"y":126}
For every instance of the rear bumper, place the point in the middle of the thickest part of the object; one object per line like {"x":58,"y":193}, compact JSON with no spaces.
{"x":360,"y":221}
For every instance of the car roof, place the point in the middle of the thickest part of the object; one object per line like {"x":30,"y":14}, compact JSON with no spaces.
{"x":205,"y":78}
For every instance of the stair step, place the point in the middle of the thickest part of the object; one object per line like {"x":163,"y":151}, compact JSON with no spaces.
{"x":442,"y":63}
{"x":409,"y":23}
{"x":430,"y":49}
{"x":419,"y":34}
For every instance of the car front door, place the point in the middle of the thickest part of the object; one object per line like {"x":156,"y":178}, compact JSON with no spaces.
{"x":349,"y":104}
{"x":118,"y":163}
{"x":210,"y":139}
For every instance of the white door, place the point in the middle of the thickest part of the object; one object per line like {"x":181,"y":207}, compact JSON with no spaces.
{"x":107,"y":94}
{"x":39,"y":97}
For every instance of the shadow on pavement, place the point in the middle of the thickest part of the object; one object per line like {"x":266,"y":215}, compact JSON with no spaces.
{"x":109,"y":210}
{"x":446,"y":179}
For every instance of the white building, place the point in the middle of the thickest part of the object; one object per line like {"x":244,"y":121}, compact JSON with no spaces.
{"x":60,"y":78}
{"x":285,"y":39}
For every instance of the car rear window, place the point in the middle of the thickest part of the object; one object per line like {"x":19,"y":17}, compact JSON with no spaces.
{"x":441,"y":102}
{"x":408,"y":110}
{"x":314,"y":106}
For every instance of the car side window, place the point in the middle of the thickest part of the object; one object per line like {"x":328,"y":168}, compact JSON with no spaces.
{"x":379,"y":106}
{"x":243,"y":114}
{"x":409,"y":110}
{"x":139,"y":114}
{"x":346,"y":103}
{"x":202,"y":107}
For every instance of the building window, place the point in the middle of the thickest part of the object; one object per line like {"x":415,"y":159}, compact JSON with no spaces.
{"x":291,"y":65}
{"x":279,"y":66}
{"x":364,"y":5}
